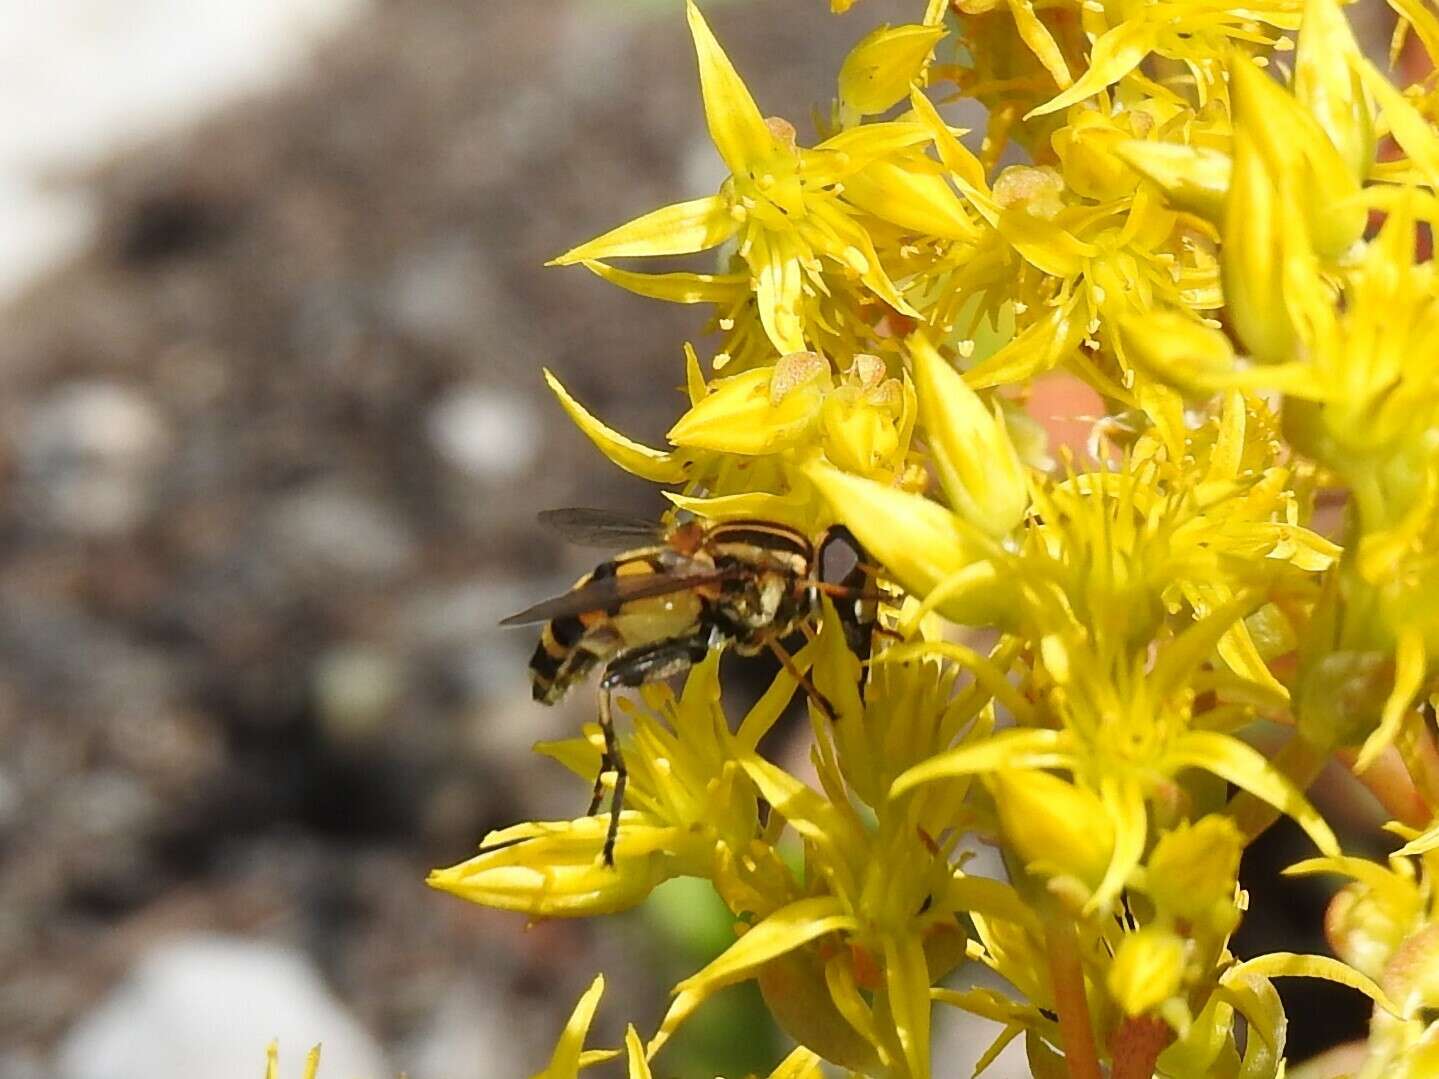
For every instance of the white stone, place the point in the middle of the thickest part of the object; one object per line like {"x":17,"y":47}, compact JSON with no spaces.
{"x":208,"y":1006}
{"x":485,"y":431}
{"x":88,"y":453}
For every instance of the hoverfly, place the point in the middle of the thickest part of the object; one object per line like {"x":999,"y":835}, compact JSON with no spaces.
{"x":655,"y":610}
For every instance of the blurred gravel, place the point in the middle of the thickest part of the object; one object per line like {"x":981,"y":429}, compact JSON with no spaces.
{"x":270,"y":455}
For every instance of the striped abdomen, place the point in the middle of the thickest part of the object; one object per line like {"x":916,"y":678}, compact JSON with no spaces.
{"x":573,"y":645}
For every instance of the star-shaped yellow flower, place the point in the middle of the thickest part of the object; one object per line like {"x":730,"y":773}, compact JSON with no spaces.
{"x":781,"y":201}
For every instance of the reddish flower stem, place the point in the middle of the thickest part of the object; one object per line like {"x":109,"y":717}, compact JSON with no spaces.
{"x":1390,"y":782}
{"x":1066,"y":974}
{"x":1137,"y":1045}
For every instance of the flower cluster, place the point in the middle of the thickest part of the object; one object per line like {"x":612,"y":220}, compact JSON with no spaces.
{"x":1220,"y":229}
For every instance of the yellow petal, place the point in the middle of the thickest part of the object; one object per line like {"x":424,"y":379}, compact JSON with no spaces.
{"x":1040,"y":41}
{"x":1289,"y":965}
{"x":741,"y":416}
{"x":679,"y":229}
{"x":916,"y":200}
{"x":639,"y":1066}
{"x":675,"y":287}
{"x":810,"y":814}
{"x":1036,"y":349}
{"x":1114,"y":55}
{"x":776,"y":258}
{"x":565,"y":1062}
{"x":969,"y":447}
{"x":554,"y":869}
{"x":1245,"y":767}
{"x":634,"y":458}
{"x":695,"y":386}
{"x":830,"y":230}
{"x":855,"y":147}
{"x":735,"y":122}
{"x":1418,"y":16}
{"x":756,"y":505}
{"x":786,"y":929}
{"x":801,"y":1064}
{"x":966,"y":169}
{"x":1009,"y":749}
{"x":878,"y":71}
{"x":907,"y":979}
{"x":1410,"y":666}
{"x":1410,"y":130}
{"x":1123,"y":803}
{"x":919,"y":542}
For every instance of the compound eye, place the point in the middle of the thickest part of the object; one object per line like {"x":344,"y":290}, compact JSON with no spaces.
{"x":838,"y":558}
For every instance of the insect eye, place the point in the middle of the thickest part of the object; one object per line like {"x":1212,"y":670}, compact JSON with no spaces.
{"x":838,"y":557}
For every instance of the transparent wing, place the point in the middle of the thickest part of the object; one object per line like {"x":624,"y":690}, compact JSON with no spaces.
{"x":602,"y":528}
{"x":610,"y":592}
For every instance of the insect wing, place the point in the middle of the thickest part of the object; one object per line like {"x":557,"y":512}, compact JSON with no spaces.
{"x":610,"y":592}
{"x":601,"y":528}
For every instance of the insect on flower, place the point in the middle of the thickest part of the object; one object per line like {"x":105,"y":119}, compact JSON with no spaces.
{"x":655,"y":610}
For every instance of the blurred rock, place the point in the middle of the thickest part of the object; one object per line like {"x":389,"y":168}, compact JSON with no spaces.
{"x":89,"y":455}
{"x":472,"y":1025}
{"x":355,"y":688}
{"x":487,"y":432}
{"x":207,"y":1006}
{"x":330,"y":530}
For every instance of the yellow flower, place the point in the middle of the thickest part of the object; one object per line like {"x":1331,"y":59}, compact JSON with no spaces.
{"x":687,"y":802}
{"x":782,"y":202}
{"x":1125,"y":730}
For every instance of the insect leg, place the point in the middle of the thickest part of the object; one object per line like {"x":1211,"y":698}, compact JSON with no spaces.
{"x":599,"y":793}
{"x":787,"y":661}
{"x":635,"y":667}
{"x":616,"y":761}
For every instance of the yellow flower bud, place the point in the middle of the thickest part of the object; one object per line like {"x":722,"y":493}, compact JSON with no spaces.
{"x":1192,"y":873}
{"x":1411,"y":979}
{"x":1327,"y":83}
{"x":1259,"y":229}
{"x":1194,"y":178}
{"x":857,"y":436}
{"x":977,"y":464}
{"x":1147,"y":970}
{"x":1058,"y":829}
{"x":1364,"y":930}
{"x":1299,"y":159}
{"x":1086,"y":149}
{"x":878,"y":71}
{"x":1178,"y":348}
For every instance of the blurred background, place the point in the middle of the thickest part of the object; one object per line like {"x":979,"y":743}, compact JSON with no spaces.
{"x":272,"y":441}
